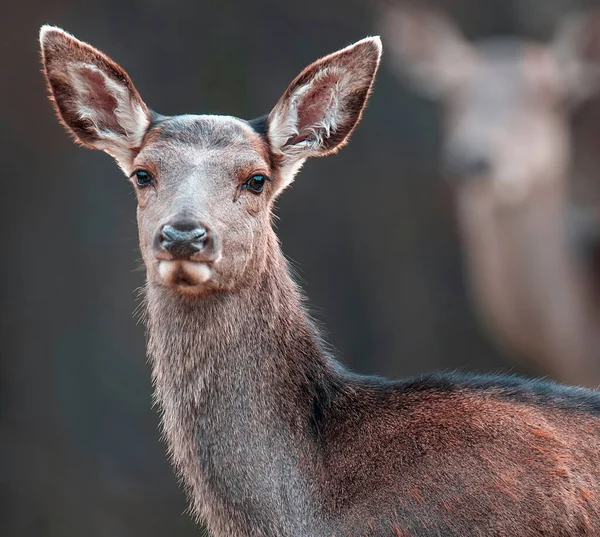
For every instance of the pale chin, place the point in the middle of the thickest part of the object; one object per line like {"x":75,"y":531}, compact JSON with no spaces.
{"x":184,"y":276}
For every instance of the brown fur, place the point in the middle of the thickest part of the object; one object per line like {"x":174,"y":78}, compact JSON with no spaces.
{"x":270,"y":435}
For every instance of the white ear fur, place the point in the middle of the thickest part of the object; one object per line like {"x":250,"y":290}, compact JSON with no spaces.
{"x":285,"y":123}
{"x":93,"y":96}
{"x":321,"y":107}
{"x":130,"y":116}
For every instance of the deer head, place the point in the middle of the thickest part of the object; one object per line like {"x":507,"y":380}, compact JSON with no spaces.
{"x":206,"y":184}
{"x":505,"y":100}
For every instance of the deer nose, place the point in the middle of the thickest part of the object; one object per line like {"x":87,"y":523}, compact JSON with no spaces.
{"x":183,"y":239}
{"x":467,"y":164}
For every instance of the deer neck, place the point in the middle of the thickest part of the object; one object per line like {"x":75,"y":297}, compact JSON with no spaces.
{"x":525,"y":277}
{"x":235,"y":374}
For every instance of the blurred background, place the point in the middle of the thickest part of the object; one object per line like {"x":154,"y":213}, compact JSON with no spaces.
{"x":375,"y":235}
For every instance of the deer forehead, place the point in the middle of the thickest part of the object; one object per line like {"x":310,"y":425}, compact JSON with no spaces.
{"x":204,"y":140}
{"x":512,"y":72}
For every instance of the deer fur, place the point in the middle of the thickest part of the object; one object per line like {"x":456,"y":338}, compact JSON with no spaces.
{"x":270,"y":435}
{"x":506,"y":105}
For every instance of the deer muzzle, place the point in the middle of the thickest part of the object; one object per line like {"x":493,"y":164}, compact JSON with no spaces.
{"x":186,"y":241}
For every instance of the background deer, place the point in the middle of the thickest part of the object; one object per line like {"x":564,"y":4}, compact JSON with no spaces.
{"x":269,"y":433}
{"x":507,"y":151}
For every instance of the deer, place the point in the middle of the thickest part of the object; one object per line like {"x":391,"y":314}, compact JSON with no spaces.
{"x":269,"y":433}
{"x":506,"y":106}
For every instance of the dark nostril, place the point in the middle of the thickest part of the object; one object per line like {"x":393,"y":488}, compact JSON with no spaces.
{"x":182,"y":241}
{"x":178,"y":234}
{"x":463,"y":165}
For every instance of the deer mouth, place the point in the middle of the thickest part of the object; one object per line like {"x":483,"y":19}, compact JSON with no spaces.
{"x":184,"y":275}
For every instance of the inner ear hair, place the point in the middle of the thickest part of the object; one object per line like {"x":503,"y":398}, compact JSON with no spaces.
{"x":321,"y":107}
{"x":93,"y":96}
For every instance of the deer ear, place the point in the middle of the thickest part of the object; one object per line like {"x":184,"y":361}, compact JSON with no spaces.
{"x":93,"y":96}
{"x":577,"y":48}
{"x":321,"y":107}
{"x":427,"y":48}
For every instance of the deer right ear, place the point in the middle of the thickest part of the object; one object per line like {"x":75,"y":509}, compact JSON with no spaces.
{"x":323,"y":105}
{"x":93,"y":96}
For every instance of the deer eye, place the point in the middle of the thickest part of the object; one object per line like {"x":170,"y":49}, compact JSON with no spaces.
{"x":256,"y":183}
{"x":142,"y":178}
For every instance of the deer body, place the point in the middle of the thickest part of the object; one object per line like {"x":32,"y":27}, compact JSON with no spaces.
{"x":271,"y":436}
{"x":507,"y":151}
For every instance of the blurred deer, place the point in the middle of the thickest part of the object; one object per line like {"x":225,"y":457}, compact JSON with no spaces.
{"x":271,"y":435}
{"x":507,"y":151}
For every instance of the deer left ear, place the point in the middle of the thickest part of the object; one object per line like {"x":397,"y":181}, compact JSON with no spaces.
{"x":324,"y":103}
{"x":93,"y":96}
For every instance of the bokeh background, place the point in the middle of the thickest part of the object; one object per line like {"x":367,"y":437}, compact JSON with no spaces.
{"x":372,"y":233}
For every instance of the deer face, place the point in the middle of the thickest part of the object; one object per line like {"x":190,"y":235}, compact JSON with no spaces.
{"x":206,"y":184}
{"x":505,"y":100}
{"x":505,"y":122}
